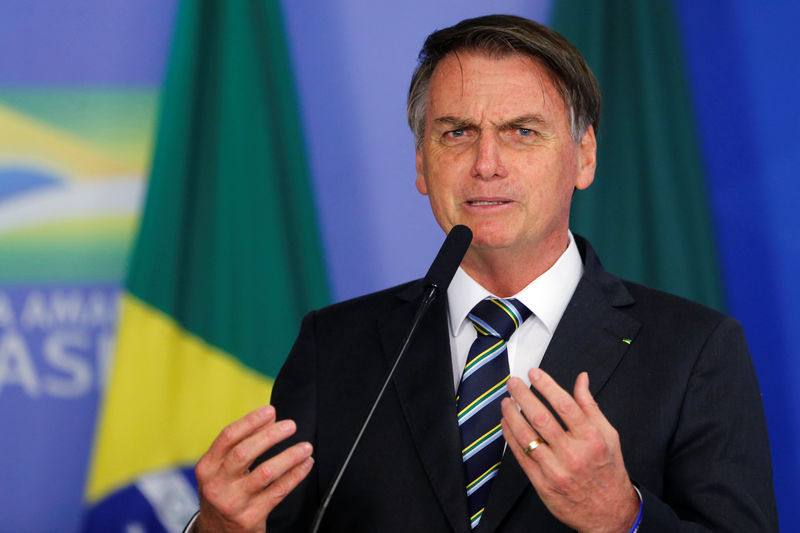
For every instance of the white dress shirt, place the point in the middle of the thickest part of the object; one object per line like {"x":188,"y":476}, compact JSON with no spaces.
{"x":547,"y":297}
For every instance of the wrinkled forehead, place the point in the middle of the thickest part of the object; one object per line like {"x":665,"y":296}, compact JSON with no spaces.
{"x":453,"y":60}
{"x":462,"y":70}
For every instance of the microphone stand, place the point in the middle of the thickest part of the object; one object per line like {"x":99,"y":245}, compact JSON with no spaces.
{"x":437,"y":279}
{"x":431,"y":292}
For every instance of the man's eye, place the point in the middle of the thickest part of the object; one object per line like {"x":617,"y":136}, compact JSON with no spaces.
{"x":525,"y":132}
{"x":457,"y":133}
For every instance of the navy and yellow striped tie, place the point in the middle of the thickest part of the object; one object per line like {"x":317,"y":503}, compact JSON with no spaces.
{"x":482,"y":388}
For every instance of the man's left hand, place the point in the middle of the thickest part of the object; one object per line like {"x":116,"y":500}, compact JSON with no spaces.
{"x":578,"y":473}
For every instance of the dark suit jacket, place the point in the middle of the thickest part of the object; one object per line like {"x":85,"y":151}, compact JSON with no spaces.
{"x":683,"y":396}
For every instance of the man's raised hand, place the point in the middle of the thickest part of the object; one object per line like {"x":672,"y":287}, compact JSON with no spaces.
{"x":578,"y":473}
{"x":235,"y":499}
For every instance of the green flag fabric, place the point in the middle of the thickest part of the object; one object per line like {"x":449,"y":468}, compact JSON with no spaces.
{"x":229,"y":241}
{"x":227,"y":259}
{"x":647,"y":212}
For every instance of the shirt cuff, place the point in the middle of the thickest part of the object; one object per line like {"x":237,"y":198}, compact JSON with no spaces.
{"x":638,"y":522}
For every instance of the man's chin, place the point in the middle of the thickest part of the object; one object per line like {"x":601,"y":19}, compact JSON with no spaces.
{"x":489,"y":242}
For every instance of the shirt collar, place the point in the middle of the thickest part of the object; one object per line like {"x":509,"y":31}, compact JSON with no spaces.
{"x":547,"y":296}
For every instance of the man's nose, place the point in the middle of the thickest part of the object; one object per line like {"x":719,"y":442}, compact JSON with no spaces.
{"x":488,"y":161}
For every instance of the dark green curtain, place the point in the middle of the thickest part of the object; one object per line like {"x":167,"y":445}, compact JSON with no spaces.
{"x":228,"y":244}
{"x":647,"y":213}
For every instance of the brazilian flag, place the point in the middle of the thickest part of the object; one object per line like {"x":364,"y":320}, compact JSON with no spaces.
{"x":226,"y":263}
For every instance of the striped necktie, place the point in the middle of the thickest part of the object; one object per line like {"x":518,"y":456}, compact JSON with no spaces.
{"x":482,"y":388}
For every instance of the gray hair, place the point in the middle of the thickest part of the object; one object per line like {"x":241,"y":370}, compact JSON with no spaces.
{"x":500,"y":36}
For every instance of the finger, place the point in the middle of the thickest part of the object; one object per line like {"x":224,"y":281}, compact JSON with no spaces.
{"x":562,"y":402}
{"x":584,"y":397}
{"x":537,"y":414}
{"x":271,"y":470}
{"x":249,"y":512}
{"x":588,"y":404}
{"x":275,"y":493}
{"x":528,"y":462}
{"x":518,"y":433}
{"x":238,"y":430}
{"x":241,"y":456}
{"x":516,"y":425}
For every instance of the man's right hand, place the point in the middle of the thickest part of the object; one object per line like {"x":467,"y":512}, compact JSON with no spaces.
{"x":233,"y":498}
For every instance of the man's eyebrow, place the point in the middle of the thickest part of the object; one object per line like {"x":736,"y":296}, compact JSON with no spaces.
{"x":455,"y":122}
{"x":514,"y":123}
{"x":524,"y":122}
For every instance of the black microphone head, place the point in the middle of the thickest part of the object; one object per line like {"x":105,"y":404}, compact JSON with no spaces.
{"x":449,"y":257}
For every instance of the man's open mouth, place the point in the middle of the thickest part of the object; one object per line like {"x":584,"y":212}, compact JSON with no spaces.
{"x":487,"y":202}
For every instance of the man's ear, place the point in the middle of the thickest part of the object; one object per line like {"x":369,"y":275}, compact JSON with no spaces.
{"x":587,"y":162}
{"x":422,"y":187}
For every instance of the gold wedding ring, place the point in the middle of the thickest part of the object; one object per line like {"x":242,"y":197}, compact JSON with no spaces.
{"x":535,"y":443}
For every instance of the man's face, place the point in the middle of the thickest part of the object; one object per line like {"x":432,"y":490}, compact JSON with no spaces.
{"x":497,"y":154}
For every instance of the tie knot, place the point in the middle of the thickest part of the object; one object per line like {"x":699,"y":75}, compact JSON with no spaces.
{"x":498,"y":317}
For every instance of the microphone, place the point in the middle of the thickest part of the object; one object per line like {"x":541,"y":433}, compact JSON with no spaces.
{"x":444,"y":267}
{"x":438,"y":278}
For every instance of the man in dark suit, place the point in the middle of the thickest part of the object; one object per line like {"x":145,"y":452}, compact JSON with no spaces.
{"x":668,"y":436}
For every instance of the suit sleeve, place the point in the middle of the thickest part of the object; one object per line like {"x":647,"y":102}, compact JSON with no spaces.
{"x":718,"y":473}
{"x":294,"y":397}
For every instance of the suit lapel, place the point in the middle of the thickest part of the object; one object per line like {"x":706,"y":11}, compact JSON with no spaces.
{"x":424,"y":385}
{"x":588,"y":338}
